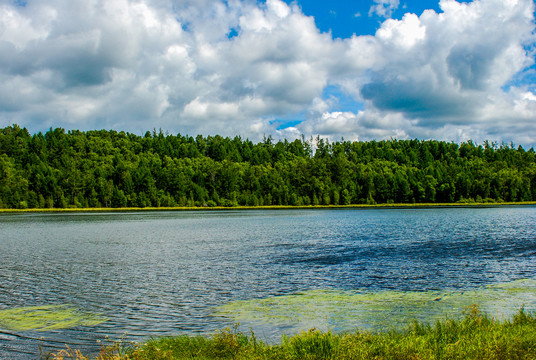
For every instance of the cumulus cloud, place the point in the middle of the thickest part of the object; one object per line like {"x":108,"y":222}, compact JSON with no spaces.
{"x":447,"y":71}
{"x":133,"y":64}
{"x":446,"y":63}
{"x":363,"y":125}
{"x":235,"y":67}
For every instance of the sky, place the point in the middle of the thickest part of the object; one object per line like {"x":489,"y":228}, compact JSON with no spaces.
{"x":354,"y":70}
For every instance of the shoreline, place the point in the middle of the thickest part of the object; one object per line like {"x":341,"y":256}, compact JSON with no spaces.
{"x":475,"y":336}
{"x":275,"y":207}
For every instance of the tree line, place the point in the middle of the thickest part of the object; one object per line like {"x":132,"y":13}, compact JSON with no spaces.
{"x":107,"y":168}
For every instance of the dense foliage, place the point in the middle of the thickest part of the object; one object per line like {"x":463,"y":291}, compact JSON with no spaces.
{"x":102,"y":168}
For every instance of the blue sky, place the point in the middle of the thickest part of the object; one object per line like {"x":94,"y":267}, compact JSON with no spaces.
{"x":345,"y":18}
{"x":376,"y":69}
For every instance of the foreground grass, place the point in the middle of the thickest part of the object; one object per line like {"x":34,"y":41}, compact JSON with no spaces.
{"x":475,"y":336}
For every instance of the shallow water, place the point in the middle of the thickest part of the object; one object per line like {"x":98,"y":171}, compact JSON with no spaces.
{"x":156,"y":273}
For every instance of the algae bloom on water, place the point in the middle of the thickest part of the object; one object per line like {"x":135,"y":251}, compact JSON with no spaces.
{"x":46,"y":318}
{"x":346,"y":310}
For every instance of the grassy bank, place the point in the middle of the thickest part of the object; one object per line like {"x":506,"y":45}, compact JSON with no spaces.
{"x":475,"y":336}
{"x":273,"y":207}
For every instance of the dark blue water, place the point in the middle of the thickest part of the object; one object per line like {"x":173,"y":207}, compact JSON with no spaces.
{"x":156,"y":273}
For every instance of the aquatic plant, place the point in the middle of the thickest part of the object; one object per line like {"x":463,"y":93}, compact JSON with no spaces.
{"x":47,"y":317}
{"x":363,"y":325}
{"x":474,"y":336}
{"x":342,"y":310}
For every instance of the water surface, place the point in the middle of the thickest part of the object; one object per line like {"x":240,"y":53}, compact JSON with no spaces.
{"x":164,"y":273}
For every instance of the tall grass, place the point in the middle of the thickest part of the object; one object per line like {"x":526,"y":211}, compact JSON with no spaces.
{"x":475,"y":336}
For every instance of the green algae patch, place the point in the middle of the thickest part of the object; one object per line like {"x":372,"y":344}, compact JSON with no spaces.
{"x":46,"y":318}
{"x":342,"y":310}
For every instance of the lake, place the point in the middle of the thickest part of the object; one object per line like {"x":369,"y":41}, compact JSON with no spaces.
{"x":76,"y":278}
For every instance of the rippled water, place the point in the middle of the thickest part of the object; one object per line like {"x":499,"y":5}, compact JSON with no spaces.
{"x":155,"y":273}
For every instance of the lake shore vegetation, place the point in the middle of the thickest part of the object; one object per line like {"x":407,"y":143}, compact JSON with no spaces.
{"x":465,"y":204}
{"x":110,"y":169}
{"x":474,"y":336}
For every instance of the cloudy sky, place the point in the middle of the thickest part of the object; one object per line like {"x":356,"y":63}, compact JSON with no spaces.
{"x":370,"y":69}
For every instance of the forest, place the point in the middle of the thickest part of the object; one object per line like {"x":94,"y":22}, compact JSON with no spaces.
{"x":110,"y":169}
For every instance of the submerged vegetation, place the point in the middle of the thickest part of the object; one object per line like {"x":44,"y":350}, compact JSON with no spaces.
{"x":46,"y":318}
{"x":110,"y":169}
{"x":345,"y":310}
{"x":475,"y":336}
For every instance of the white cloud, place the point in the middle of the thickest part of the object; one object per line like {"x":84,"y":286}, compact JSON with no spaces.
{"x":404,"y":33}
{"x":233,"y":67}
{"x":449,"y":68}
{"x":135,"y":62}
{"x":443,"y":76}
{"x":363,"y":125}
